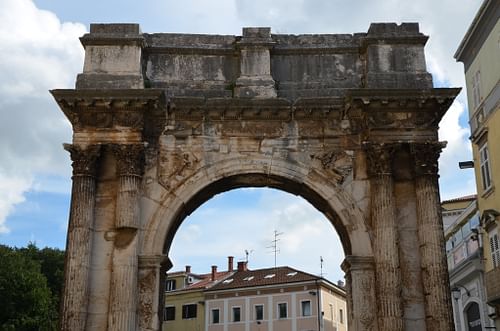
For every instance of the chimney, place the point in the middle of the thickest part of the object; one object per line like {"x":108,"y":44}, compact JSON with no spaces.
{"x":242,"y":266}
{"x":188,"y":269}
{"x":230,"y":262}
{"x":214,"y":271}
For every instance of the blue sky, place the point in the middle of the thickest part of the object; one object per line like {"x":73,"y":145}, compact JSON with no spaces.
{"x":41,"y":51}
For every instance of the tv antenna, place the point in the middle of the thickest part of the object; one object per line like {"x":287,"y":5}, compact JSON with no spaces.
{"x":321,"y":266}
{"x":247,"y":253}
{"x":274,"y":246}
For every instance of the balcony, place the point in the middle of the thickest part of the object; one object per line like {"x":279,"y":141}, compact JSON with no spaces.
{"x":493,"y":286}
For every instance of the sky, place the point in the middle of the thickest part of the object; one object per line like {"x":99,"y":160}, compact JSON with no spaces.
{"x":41,"y":51}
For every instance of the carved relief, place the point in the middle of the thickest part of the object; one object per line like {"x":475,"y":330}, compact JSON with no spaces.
{"x":85,"y":160}
{"x":337,"y":162}
{"x":129,"y":159}
{"x":425,"y":156}
{"x":147,"y":284}
{"x":174,"y":164}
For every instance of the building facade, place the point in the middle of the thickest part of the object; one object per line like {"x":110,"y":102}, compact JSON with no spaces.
{"x":464,"y":249}
{"x":277,"y":299}
{"x":480,"y":53}
{"x":184,"y":297}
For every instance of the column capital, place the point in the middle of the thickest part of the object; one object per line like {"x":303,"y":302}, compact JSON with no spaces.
{"x":352,"y":262}
{"x":379,"y":157}
{"x":425,"y":156}
{"x":84,"y":159}
{"x":129,"y":159}
{"x":153,"y":261}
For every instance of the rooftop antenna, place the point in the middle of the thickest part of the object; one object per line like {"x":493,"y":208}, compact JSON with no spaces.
{"x":274,"y":246}
{"x":321,"y":266}
{"x":247,"y":253}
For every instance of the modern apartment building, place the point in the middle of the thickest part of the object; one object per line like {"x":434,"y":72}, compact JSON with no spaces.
{"x":277,"y":299}
{"x":464,"y":250}
{"x":480,"y":53}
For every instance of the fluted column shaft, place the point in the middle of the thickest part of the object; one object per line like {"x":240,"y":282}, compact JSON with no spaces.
{"x":124,"y":287}
{"x":435,"y":279}
{"x":75,"y":297}
{"x":362,"y":304}
{"x":385,"y":242}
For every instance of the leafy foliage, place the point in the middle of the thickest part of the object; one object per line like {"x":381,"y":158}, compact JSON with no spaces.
{"x":30,"y":288}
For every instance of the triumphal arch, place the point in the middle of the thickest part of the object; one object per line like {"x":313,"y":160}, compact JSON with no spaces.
{"x":162,"y":122}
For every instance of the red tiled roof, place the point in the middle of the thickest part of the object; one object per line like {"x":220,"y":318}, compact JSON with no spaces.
{"x":464,"y":198}
{"x":206,"y":282}
{"x":251,"y":278}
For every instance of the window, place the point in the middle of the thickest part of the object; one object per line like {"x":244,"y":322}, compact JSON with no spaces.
{"x":189,"y":311}
{"x":249,"y":278}
{"x":169,"y":313}
{"x":484,"y":158}
{"x":227,"y":281}
{"x":341,"y":316}
{"x":495,"y":250}
{"x":236,"y":314}
{"x":170,"y":285}
{"x":259,"y":312}
{"x":306,"y":308}
{"x":282,"y":310}
{"x":269,"y":276}
{"x":476,"y":89}
{"x":215,"y":316}
{"x":291,"y":274}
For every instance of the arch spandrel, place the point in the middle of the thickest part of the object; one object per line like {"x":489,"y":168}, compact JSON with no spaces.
{"x":311,"y":182}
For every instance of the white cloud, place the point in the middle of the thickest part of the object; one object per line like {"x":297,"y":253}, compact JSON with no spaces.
{"x":39,"y":53}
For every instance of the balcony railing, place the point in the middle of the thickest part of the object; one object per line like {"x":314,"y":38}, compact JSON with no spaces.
{"x":493,"y":286}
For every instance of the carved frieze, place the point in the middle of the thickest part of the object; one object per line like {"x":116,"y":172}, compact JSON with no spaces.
{"x":85,"y":159}
{"x":129,"y":159}
{"x":425,"y":157}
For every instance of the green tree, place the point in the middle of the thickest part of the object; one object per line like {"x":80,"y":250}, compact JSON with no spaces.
{"x":30,"y":288}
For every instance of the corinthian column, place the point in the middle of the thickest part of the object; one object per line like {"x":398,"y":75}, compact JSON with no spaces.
{"x":385,"y":242}
{"x":123,"y":309}
{"x":79,"y":240}
{"x":431,"y":237}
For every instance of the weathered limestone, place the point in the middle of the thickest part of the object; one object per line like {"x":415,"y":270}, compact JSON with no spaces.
{"x":431,"y":236}
{"x":385,"y":241}
{"x":124,"y":286}
{"x":340,"y":120}
{"x":79,"y":242}
{"x":362,"y":299}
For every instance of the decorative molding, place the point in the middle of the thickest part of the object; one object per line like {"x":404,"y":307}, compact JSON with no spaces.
{"x":85,"y":159}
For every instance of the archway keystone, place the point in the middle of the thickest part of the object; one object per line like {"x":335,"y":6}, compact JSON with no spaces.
{"x":162,"y":122}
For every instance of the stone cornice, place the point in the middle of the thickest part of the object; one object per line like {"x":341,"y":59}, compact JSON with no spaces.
{"x":385,"y":109}
{"x":109,"y":108}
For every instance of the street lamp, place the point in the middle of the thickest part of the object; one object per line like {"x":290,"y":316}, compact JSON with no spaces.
{"x":457,"y":292}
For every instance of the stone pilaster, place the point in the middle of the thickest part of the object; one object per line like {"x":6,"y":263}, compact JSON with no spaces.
{"x":362,"y":303}
{"x":124,"y":286}
{"x":431,"y":237}
{"x":385,"y":241}
{"x":78,"y":245}
{"x":149,"y":285}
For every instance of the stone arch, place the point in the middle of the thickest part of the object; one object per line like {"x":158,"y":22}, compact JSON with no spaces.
{"x":328,"y":197}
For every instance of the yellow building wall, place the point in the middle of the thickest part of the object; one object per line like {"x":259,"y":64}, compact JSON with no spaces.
{"x":488,"y":62}
{"x":332,"y":305}
{"x":180,"y":299}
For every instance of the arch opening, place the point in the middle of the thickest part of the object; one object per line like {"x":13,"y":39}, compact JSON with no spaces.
{"x":259,"y":181}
